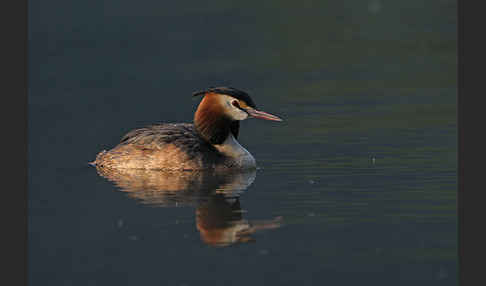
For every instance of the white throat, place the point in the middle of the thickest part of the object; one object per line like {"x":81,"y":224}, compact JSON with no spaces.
{"x":234,"y":150}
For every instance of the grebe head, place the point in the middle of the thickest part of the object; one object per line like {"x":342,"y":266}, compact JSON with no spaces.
{"x":220,"y":111}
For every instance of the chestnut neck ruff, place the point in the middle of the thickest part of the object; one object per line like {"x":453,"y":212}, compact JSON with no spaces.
{"x":211,"y":122}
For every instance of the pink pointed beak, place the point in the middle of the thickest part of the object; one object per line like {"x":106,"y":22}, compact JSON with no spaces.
{"x":262,"y":115}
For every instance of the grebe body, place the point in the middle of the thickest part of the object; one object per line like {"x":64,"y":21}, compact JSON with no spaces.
{"x":208,"y":143}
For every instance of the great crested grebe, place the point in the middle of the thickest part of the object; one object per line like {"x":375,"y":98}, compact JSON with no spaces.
{"x":209,"y":143}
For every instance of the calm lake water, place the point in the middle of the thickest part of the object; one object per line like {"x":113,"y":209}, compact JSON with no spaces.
{"x":357,"y":184}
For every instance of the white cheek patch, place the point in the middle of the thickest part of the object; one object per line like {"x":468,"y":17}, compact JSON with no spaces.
{"x":239,"y":114}
{"x":233,"y":111}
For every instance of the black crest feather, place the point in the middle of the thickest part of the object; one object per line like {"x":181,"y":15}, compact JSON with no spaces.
{"x":233,"y":92}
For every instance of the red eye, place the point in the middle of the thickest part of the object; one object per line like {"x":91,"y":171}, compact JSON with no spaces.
{"x":236,"y":104}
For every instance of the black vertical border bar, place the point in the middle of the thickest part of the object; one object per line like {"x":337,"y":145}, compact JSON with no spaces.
{"x":471,"y":149}
{"x":13,"y":116}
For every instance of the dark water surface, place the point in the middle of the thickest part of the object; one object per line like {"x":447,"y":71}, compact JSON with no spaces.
{"x":356,"y":186}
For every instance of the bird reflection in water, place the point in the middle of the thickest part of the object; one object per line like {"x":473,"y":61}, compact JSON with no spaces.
{"x":215,"y":195}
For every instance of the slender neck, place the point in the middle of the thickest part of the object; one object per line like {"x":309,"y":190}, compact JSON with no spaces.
{"x":211,"y":123}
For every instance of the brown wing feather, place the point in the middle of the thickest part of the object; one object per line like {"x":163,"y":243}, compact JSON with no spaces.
{"x":168,"y":145}
{"x":161,"y":134}
{"x":182,"y":135}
